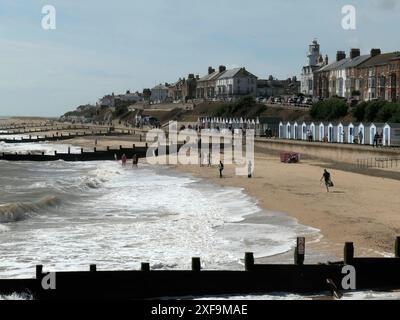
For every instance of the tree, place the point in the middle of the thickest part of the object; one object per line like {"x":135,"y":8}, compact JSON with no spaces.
{"x":147,"y":94}
{"x":358,"y":111}
{"x":330,"y":109}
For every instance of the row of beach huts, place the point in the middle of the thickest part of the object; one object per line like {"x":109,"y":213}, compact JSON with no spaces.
{"x":349,"y":133}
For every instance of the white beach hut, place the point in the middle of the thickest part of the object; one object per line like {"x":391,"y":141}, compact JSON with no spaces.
{"x":387,"y":130}
{"x":304,"y":129}
{"x":371,"y":130}
{"x":313,"y":131}
{"x":331,"y":133}
{"x":288,"y":131}
{"x":361,"y":133}
{"x":281,"y":130}
{"x":350,"y":133}
{"x":321,"y":131}
{"x":340,"y":133}
{"x":295,"y":131}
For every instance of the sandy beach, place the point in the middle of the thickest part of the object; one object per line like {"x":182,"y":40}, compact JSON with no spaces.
{"x":359,"y":209}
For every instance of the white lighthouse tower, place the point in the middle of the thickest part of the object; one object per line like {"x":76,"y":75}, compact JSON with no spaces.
{"x":315,"y":62}
{"x":313,"y":53}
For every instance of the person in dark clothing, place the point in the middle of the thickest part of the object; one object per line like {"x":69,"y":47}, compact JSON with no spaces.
{"x":327,"y":178}
{"x":221,"y":168}
{"x":376,"y":140}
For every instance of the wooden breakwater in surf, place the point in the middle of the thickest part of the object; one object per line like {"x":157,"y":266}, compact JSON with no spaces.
{"x":369,"y":274}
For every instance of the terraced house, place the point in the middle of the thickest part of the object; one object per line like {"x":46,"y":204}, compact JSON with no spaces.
{"x":367,"y":77}
{"x":380,"y":77}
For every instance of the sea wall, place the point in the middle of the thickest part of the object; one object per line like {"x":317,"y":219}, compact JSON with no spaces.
{"x":347,"y":153}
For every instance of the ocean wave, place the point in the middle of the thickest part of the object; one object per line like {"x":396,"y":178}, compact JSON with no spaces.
{"x":91,"y":182}
{"x":16,"y":296}
{"x":18,"y":211}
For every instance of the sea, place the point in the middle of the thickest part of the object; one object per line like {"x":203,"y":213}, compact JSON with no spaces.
{"x":68,"y":215}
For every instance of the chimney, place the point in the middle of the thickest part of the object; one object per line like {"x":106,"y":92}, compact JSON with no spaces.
{"x":191,"y":76}
{"x":326,"y":60}
{"x":375,"y":52}
{"x":340,"y":55}
{"x":210,"y":70}
{"x":197,"y":77}
{"x":222,"y":69}
{"x":354,"y":53}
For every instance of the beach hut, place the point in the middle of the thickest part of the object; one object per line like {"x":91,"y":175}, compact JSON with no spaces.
{"x":387,"y":130}
{"x":295,"y":131}
{"x":340,"y":133}
{"x":370,"y":131}
{"x":350,"y":133}
{"x":281,"y":131}
{"x":391,"y":135}
{"x":331,"y":133}
{"x":321,"y":131}
{"x":304,"y":129}
{"x":313,"y":131}
{"x":288,"y":131}
{"x":360,"y":133}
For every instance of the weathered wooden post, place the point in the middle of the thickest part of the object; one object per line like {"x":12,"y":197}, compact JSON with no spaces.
{"x":120,"y":147}
{"x":397,"y":248}
{"x":249,"y":261}
{"x":145,"y":266}
{"x":42,"y":153}
{"x":147,"y":145}
{"x":93,"y":268}
{"x":196,"y":264}
{"x":55,"y":152}
{"x":81,"y":150}
{"x":348,"y":253}
{"x":108,"y":148}
{"x":39,"y":271}
{"x":133,"y":146}
{"x":94,"y":149}
{"x":140,"y":138}
{"x":69,"y":150}
{"x":299,"y":252}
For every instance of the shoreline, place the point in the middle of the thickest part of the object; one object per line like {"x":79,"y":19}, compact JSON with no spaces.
{"x":359,"y":209}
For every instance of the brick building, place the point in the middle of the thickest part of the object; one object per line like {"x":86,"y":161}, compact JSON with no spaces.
{"x":380,"y":77}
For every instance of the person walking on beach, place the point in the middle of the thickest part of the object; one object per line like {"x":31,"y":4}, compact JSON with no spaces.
{"x":327,"y":178}
{"x":250,"y":170}
{"x":123,"y":160}
{"x":221,"y":168}
{"x":134,"y":161}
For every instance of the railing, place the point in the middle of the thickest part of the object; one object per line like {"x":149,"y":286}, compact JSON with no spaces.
{"x":382,"y":163}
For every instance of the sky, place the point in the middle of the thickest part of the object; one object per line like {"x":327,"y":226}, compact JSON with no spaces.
{"x":99,"y":47}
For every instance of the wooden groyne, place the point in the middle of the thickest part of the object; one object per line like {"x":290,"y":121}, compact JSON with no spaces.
{"x":350,"y":274}
{"x":94,"y":155}
{"x":41,"y":129}
{"x":62,"y":136}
